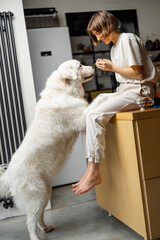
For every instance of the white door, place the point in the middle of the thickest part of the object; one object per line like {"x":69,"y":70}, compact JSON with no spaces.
{"x":75,"y":166}
{"x":49,"y":47}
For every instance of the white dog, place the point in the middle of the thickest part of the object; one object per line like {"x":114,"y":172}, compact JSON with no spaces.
{"x":60,"y":115}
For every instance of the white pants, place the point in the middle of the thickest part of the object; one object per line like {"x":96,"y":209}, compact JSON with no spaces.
{"x":100,"y":112}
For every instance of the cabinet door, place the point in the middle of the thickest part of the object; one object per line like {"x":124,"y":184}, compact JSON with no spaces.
{"x":153,"y":207}
{"x":148,"y":132}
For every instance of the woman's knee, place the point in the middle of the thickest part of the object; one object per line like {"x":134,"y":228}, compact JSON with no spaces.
{"x":95,"y":118}
{"x":91,"y":116}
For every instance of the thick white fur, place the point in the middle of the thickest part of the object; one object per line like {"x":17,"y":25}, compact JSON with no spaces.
{"x":59,"y":116}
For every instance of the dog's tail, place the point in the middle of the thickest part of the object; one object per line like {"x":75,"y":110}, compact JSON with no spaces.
{"x":4,"y":185}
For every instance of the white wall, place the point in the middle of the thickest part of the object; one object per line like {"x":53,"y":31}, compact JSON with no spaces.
{"x":148,"y":10}
{"x":23,"y":56}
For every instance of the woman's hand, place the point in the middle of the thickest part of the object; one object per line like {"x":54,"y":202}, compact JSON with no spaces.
{"x":104,"y":64}
{"x":133,"y":72}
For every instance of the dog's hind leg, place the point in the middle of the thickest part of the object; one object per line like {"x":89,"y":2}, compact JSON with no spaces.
{"x":43,"y":226}
{"x":35,"y":217}
{"x":41,"y":223}
{"x":32,"y":219}
{"x":34,"y":210}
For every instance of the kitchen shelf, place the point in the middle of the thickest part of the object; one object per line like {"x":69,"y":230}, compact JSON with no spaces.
{"x":89,"y":58}
{"x":87,"y":53}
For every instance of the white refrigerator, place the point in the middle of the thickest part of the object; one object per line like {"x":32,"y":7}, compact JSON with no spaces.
{"x":49,"y":47}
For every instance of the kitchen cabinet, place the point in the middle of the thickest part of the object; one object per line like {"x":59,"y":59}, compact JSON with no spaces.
{"x":130,"y":188}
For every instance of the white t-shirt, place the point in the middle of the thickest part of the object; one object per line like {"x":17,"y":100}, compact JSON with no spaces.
{"x":128,"y":51}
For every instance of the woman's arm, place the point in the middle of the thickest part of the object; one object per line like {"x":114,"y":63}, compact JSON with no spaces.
{"x":135,"y":72}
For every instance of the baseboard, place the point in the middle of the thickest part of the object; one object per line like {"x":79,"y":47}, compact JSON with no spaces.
{"x":14,"y":212}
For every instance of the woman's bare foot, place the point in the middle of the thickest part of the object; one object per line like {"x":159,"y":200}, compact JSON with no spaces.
{"x":92,"y":179}
{"x":82,"y":179}
{"x":87,"y":184}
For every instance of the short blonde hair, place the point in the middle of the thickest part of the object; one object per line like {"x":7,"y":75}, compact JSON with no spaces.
{"x":102,"y":22}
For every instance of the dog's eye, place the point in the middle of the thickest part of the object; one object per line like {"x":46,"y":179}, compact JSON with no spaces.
{"x":80,"y":66}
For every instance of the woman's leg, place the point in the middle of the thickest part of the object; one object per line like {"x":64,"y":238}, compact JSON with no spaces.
{"x":91,"y":178}
{"x":95,"y":144}
{"x":90,"y":124}
{"x":96,"y":121}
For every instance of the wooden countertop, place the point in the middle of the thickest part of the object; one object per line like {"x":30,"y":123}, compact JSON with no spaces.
{"x":137,"y":114}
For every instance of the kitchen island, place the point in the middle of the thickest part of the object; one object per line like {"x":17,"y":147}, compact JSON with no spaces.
{"x":130,"y":188}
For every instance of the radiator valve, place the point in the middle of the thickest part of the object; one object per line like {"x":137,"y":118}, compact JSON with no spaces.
{"x":7,"y":202}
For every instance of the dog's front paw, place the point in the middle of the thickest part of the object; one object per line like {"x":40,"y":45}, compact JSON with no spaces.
{"x":48,"y":229}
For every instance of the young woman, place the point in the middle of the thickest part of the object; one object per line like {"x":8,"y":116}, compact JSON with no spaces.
{"x":137,"y":76}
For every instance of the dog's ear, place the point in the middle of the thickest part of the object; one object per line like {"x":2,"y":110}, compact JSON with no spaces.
{"x":69,"y":74}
